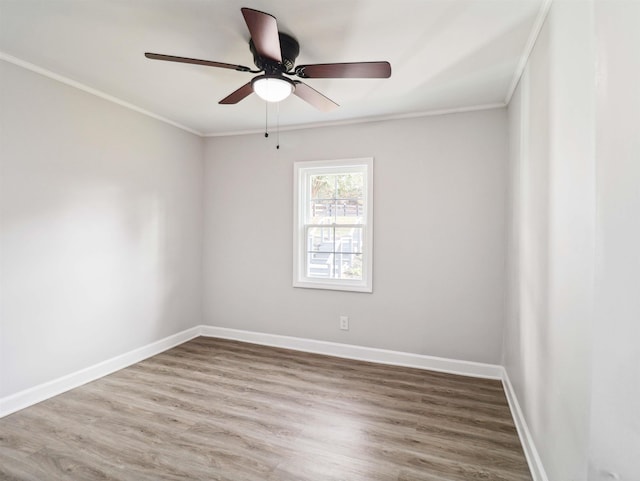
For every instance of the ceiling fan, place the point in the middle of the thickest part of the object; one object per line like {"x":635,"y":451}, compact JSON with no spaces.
{"x":274,"y":54}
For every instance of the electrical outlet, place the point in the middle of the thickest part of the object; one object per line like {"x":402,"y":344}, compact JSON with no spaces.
{"x":344,"y":323}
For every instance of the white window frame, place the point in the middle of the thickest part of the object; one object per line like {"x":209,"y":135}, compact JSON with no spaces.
{"x":302,"y":171}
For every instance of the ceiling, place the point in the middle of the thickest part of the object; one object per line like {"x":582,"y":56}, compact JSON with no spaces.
{"x":446,"y":55}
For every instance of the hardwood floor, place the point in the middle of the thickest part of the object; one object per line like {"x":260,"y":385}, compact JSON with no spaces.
{"x":214,"y":409}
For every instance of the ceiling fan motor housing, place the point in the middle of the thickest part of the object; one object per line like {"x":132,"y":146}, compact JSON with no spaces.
{"x":289,"y":50}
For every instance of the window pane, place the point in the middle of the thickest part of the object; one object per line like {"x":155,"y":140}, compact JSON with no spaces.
{"x":347,"y":266}
{"x":321,"y":212}
{"x":322,"y":186}
{"x":350,"y":186}
{"x":349,"y":240}
{"x":320,"y":239}
{"x":349,"y":211}
{"x":334,"y":252}
{"x":320,"y":264}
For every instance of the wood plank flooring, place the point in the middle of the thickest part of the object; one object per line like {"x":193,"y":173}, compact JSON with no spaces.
{"x":213,"y":409}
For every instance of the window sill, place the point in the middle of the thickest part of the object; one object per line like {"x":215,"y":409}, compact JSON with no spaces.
{"x":359,"y":287}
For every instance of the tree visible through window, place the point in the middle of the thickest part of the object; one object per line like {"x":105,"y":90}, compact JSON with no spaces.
{"x":333,"y":225}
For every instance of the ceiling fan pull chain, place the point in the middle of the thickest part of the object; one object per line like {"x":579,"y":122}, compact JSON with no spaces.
{"x":266,"y":119}
{"x":278,"y":125}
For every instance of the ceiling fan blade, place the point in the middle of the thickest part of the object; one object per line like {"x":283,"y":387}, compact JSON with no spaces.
{"x":345,"y":70}
{"x":264,"y":33}
{"x":208,"y":63}
{"x":237,"y":95}
{"x":315,"y":98}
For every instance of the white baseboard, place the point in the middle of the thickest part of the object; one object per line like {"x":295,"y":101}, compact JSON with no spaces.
{"x":41,"y":392}
{"x":349,"y":351}
{"x":531,"y":453}
{"x":36,"y":394}
{"x":451,"y":366}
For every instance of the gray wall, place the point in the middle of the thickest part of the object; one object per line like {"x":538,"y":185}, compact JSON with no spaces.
{"x":100,"y":229}
{"x":571,"y":334}
{"x":615,"y":411}
{"x":439,"y":242}
{"x":548,"y":330}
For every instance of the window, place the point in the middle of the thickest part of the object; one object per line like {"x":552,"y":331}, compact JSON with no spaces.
{"x":333,"y":228}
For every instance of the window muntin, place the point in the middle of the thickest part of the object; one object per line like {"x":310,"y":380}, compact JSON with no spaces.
{"x":332,"y":232}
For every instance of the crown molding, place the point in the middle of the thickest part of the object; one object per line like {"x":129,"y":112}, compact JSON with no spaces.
{"x":339,"y":123}
{"x":364,"y":120}
{"x":531,"y":42}
{"x":98,"y":93}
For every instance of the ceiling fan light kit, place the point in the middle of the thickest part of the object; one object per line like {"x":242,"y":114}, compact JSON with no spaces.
{"x":274,"y":55}
{"x":273,"y":88}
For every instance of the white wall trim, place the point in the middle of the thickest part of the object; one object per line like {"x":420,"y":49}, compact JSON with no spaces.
{"x":28,"y":397}
{"x":92,"y":91}
{"x":365,"y":120}
{"x":36,"y":394}
{"x":41,"y":392}
{"x":362,"y":120}
{"x":531,"y":42}
{"x":526,"y":440}
{"x":361,"y":353}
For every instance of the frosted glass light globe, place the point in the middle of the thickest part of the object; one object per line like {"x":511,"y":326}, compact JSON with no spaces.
{"x":272,"y":88}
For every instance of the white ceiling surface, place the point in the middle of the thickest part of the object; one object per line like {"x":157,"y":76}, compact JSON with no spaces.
{"x":445,"y":54}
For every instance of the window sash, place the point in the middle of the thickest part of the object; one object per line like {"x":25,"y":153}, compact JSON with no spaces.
{"x":329,"y":260}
